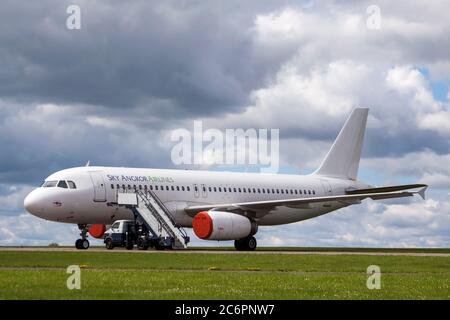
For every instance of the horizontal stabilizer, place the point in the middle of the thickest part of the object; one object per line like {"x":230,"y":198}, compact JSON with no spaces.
{"x":387,"y":189}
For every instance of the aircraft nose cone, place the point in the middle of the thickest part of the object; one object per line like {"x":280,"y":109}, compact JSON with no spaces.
{"x":31,"y":203}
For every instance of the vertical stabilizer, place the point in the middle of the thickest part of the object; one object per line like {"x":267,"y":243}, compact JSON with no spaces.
{"x":342,"y":161}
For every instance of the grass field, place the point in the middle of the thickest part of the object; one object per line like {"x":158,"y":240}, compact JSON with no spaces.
{"x":106,"y":275}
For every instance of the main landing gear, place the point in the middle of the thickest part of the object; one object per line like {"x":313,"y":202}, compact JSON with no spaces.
{"x":245,"y":244}
{"x":83,"y":243}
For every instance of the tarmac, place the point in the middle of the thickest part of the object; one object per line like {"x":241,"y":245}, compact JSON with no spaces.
{"x":229,"y":251}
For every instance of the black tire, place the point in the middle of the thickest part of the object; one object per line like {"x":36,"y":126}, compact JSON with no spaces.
{"x":84,"y":244}
{"x":141,"y":244}
{"x":251,"y":243}
{"x":238,"y":244}
{"x":78,"y":244}
{"x":109,"y":244}
{"x":159,"y":247}
{"x":245,"y":244}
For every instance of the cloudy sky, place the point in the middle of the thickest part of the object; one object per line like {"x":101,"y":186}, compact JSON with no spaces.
{"x":112,"y":92}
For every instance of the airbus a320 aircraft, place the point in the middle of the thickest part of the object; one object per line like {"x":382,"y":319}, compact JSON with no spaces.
{"x":217,"y":205}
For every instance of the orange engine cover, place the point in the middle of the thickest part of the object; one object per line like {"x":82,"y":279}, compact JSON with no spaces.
{"x":97,"y":230}
{"x":202,"y":225}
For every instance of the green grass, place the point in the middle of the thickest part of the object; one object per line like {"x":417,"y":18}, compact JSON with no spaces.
{"x":42,"y":275}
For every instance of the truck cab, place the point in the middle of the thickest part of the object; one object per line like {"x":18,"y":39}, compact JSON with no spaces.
{"x":122,"y":233}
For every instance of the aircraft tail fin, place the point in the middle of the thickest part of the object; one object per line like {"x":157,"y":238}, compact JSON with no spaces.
{"x":342,"y":161}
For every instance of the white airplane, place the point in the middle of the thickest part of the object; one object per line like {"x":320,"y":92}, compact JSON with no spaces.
{"x":217,"y":205}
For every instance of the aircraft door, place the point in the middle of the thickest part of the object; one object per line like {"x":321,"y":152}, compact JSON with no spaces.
{"x":327,"y":192}
{"x":327,"y":188}
{"x":204,"y":191}
{"x":196,"y":191}
{"x":99,"y":186}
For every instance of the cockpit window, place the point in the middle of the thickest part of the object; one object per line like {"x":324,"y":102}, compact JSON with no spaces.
{"x":62,"y":184}
{"x":71,"y":184}
{"x":49,"y":184}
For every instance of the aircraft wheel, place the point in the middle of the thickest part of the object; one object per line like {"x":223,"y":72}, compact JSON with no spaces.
{"x":245,"y":244}
{"x":78,"y":244}
{"x":238,"y":245}
{"x":84,"y":244}
{"x":251,"y":243}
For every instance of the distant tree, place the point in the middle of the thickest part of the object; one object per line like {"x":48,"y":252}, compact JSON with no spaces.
{"x":53,"y":244}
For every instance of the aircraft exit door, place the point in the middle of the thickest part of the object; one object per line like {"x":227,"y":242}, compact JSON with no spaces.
{"x":99,"y":186}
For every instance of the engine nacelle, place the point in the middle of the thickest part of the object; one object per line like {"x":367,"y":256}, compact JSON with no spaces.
{"x":218,"y":225}
{"x":97,"y":230}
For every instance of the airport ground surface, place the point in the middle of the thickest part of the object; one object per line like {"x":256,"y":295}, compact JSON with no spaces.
{"x":200,"y":273}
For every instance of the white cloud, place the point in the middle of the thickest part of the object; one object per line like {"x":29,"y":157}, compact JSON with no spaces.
{"x":372,"y":224}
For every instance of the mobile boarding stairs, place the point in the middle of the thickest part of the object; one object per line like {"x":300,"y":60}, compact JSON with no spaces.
{"x":149,"y":211}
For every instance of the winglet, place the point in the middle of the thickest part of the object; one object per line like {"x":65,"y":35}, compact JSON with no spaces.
{"x":421,"y":192}
{"x":88,"y":163}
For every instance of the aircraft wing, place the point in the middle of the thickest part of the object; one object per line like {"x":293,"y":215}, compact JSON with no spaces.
{"x":352,"y":197}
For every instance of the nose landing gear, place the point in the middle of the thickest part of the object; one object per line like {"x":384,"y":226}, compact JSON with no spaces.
{"x":83,"y":243}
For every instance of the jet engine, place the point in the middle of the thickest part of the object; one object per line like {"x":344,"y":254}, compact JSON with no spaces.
{"x":218,"y":225}
{"x":97,"y":230}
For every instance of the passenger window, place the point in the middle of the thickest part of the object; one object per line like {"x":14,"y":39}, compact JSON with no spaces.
{"x":182,"y":188}
{"x":215,"y":189}
{"x":282,"y":191}
{"x":167,"y":188}
{"x":71,"y":184}
{"x":112,"y":186}
{"x":151,"y":187}
{"x":314,"y":192}
{"x":115,"y":225}
{"x":234,"y":189}
{"x":188,"y":188}
{"x":178,"y":188}
{"x":62,"y":184}
{"x":220,"y":189}
{"x":239,"y":189}
{"x":173,"y":188}
{"x":309,"y":191}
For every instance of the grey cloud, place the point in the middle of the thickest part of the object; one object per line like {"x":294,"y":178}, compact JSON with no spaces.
{"x":176,"y":59}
